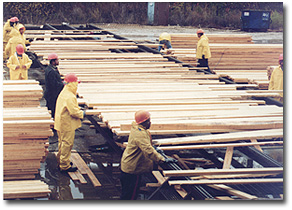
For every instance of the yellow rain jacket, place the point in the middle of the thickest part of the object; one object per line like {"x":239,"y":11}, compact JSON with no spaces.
{"x":17,"y":38}
{"x":21,"y":73}
{"x":276,"y":81}
{"x":139,"y":155}
{"x":6,"y":31}
{"x":68,"y":113}
{"x":67,"y":120}
{"x":203,"y":48}
{"x":165,"y":36}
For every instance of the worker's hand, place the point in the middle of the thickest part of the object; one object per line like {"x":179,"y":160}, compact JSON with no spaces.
{"x":17,"y":67}
{"x":24,"y":66}
{"x":203,"y":56}
{"x":30,"y":40}
{"x":170,"y":160}
{"x":84,"y":113}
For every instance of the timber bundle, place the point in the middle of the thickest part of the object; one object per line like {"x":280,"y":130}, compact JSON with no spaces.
{"x":26,"y":128}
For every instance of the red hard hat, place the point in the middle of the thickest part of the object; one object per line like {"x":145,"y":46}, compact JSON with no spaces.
{"x":71,"y":78}
{"x":141,"y":116}
{"x":13,"y":19}
{"x":280,"y":57}
{"x":20,"y":49}
{"x":200,"y":31}
{"x":52,"y":56}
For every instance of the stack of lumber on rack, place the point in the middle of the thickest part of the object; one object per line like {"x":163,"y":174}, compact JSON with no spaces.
{"x":244,"y":56}
{"x":84,"y":48}
{"x":25,"y":134}
{"x":233,"y":56}
{"x":21,"y":93}
{"x":26,"y":128}
{"x":25,"y":189}
{"x":190,"y":41}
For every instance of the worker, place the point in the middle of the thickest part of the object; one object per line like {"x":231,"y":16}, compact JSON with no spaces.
{"x":203,"y":50}
{"x":165,"y":40}
{"x":18,"y":64}
{"x":276,"y":81}
{"x":18,"y":38}
{"x":138,"y":156}
{"x":8,"y":27}
{"x":53,"y":83}
{"x":67,"y":119}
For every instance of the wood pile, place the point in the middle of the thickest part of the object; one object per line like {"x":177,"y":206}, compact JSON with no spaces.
{"x":184,"y":40}
{"x":25,"y":189}
{"x":233,"y":56}
{"x":26,"y":128}
{"x":17,"y":93}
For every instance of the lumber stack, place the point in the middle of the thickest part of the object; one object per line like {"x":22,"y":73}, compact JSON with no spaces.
{"x":25,"y":134}
{"x":185,"y":40}
{"x":233,"y":56}
{"x":26,"y":128}
{"x":25,"y":189}
{"x":17,"y":93}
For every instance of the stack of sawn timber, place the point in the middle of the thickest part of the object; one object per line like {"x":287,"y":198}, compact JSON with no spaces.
{"x":122,"y":80}
{"x":233,"y":56}
{"x":26,"y":128}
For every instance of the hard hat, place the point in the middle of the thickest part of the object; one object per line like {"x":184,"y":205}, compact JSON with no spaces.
{"x":280,"y":57}
{"x":52,"y":56}
{"x":13,"y":19}
{"x":20,"y":49}
{"x":141,"y":116}
{"x":16,"y":19}
{"x":71,"y":78}
{"x":200,"y":31}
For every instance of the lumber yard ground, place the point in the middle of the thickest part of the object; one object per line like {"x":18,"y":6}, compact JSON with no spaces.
{"x":105,"y":163}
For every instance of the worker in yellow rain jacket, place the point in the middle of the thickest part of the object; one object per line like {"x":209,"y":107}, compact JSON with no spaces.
{"x":165,"y":40}
{"x":203,"y":52}
{"x":138,"y":156}
{"x":18,"y":64}
{"x":15,"y":40}
{"x":8,"y":27}
{"x":276,"y":81}
{"x":67,"y":119}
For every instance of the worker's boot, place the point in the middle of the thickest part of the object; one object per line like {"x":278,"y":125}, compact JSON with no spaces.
{"x":71,"y":169}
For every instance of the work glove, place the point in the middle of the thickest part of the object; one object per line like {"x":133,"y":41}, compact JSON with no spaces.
{"x":30,"y":40}
{"x":170,"y":160}
{"x":84,"y":113}
{"x":203,"y":56}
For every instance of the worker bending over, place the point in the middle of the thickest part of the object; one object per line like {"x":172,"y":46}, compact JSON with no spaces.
{"x":165,"y":39}
{"x":18,"y":64}
{"x":276,"y":81}
{"x":203,"y":50}
{"x":138,"y":156}
{"x":67,"y":119}
{"x":53,"y":83}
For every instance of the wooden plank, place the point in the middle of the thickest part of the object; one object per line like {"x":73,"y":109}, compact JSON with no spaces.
{"x":228,"y":157}
{"x":232,"y":181}
{"x":226,"y":137}
{"x":234,"y":192}
{"x":170,"y":173}
{"x":167,"y":148}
